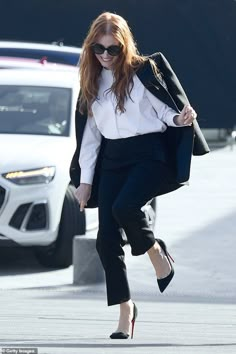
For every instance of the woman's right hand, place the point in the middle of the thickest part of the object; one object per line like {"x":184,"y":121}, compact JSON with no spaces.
{"x":83,"y":193}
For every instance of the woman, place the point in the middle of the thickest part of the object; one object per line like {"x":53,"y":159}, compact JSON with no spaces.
{"x":135,"y":132}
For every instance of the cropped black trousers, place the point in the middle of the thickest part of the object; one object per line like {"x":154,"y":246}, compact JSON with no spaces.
{"x":131,"y":176}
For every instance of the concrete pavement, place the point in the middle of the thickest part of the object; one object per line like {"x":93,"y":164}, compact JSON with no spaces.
{"x":65,"y":321}
{"x":197,"y":313}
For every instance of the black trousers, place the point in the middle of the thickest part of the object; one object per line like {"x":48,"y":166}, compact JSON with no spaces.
{"x":127,"y":182}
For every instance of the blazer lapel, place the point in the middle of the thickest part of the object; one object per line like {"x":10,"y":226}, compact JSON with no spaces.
{"x":155,"y":86}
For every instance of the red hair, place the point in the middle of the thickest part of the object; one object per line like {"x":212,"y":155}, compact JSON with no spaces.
{"x":90,"y":68}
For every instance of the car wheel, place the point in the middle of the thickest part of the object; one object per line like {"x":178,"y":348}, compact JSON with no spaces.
{"x":59,"y":253}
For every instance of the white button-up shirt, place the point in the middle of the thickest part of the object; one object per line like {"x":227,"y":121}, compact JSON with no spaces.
{"x":144,"y":113}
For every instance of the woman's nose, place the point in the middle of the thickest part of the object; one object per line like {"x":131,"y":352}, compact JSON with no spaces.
{"x":105,"y":54}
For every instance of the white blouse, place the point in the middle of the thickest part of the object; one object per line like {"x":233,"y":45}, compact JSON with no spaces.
{"x":144,"y":113}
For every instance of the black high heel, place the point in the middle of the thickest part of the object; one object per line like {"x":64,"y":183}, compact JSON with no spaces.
{"x":164,"y":282}
{"x":122,"y":335}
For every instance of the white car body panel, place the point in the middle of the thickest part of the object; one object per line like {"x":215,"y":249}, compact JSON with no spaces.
{"x":28,"y":151}
{"x":40,"y":46}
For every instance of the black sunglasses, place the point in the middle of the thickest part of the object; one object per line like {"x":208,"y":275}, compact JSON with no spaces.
{"x":112,"y":50}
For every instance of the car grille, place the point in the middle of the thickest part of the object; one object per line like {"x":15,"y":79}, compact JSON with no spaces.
{"x":30,"y":217}
{"x":2,"y":196}
{"x":19,"y":215}
{"x":38,"y":217}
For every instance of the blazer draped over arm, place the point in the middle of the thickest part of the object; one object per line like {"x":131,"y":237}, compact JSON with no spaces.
{"x":181,"y":143}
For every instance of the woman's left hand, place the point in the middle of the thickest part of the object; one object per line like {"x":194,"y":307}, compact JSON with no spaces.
{"x":186,"y":117}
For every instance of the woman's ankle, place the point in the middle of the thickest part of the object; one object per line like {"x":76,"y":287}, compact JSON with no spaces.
{"x":126,"y":306}
{"x":159,"y":261}
{"x":154,"y":249}
{"x":126,"y":315}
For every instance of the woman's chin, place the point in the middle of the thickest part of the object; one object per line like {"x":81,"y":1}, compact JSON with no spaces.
{"x":107,"y":65}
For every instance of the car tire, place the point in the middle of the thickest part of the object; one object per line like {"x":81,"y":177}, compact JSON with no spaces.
{"x":59,"y":253}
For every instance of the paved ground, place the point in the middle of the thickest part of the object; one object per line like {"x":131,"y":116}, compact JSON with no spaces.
{"x":64,"y":321}
{"x":197,"y":314}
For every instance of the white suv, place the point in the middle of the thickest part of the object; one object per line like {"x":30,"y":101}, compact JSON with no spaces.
{"x":54,"y":53}
{"x":37,"y":141}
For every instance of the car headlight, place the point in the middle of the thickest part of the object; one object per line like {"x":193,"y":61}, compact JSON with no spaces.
{"x":39,"y":175}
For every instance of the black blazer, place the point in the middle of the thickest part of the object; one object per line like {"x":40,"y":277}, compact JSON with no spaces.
{"x":181,"y":142}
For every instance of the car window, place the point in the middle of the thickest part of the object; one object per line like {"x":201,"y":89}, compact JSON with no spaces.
{"x":35,"y":110}
{"x":52,"y":56}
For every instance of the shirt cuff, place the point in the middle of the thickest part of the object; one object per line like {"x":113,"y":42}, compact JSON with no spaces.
{"x":170,"y":120}
{"x":86,"y":176}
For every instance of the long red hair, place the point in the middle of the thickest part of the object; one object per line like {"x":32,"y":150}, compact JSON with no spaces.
{"x":90,"y":68}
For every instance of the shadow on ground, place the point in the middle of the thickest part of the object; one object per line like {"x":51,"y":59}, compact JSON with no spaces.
{"x":19,"y":260}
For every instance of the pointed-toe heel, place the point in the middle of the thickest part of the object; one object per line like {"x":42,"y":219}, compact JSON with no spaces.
{"x":119,"y":335}
{"x":164,"y":282}
{"x":122,"y":335}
